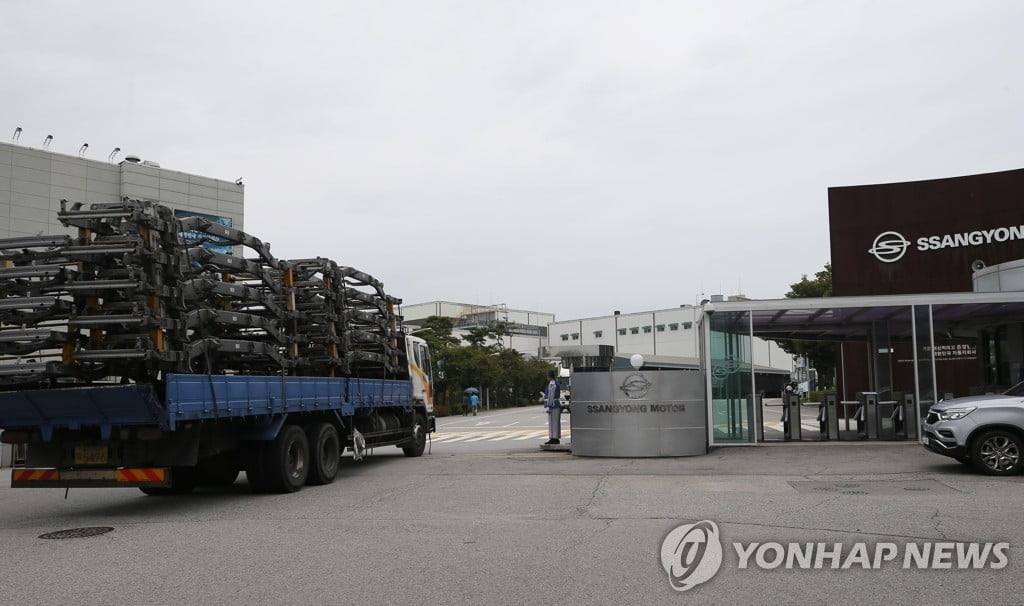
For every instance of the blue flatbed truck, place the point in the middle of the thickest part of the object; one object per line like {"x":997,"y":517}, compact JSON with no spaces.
{"x":167,"y":352}
{"x":203,"y":430}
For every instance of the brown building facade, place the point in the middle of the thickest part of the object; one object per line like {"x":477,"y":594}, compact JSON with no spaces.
{"x":930,"y":237}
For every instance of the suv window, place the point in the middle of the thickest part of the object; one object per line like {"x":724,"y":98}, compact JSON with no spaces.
{"x":1016,"y":390}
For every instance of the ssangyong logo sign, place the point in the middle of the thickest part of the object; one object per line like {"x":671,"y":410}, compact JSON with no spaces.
{"x":891,"y":246}
{"x":635,"y":386}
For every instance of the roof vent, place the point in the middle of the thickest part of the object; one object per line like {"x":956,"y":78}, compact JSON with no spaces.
{"x":132,"y":159}
{"x":150,"y":163}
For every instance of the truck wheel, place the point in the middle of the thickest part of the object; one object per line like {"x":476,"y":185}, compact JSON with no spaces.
{"x":183,"y":481}
{"x":419,"y":441}
{"x":324,"y":453}
{"x":286,"y":464}
{"x":997,"y":452}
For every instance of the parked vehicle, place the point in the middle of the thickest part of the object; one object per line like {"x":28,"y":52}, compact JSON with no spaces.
{"x":984,"y":431}
{"x":133,"y":356}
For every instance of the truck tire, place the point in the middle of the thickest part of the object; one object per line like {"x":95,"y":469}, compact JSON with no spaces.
{"x":419,"y":441}
{"x":324,"y":453}
{"x":998,"y":453}
{"x":286,"y":460}
{"x":183,"y":481}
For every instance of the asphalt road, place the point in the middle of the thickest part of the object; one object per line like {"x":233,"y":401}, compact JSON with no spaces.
{"x":516,"y":525}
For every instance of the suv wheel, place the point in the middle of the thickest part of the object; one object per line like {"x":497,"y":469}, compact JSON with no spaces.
{"x":998,"y":452}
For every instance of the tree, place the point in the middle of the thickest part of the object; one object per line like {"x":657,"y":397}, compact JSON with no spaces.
{"x":437,"y":332}
{"x":487,"y":337}
{"x":821,"y":355}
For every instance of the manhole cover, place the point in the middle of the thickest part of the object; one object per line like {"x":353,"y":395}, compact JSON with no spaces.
{"x":77,"y":533}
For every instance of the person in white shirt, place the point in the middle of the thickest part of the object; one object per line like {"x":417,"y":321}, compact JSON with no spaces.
{"x":553,"y":406}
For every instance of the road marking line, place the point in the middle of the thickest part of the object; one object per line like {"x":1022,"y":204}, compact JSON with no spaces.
{"x":534,"y":434}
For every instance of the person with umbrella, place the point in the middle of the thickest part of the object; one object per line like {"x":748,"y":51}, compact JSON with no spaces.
{"x":474,"y":400}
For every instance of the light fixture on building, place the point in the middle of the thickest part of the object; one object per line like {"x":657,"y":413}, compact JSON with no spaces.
{"x":47,"y":141}
{"x":17,"y":135}
{"x":110,"y":158}
{"x":81,"y":150}
{"x":238,"y":181}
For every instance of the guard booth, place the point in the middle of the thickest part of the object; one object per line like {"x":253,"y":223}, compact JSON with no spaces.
{"x":639,"y":412}
{"x":906,"y":338}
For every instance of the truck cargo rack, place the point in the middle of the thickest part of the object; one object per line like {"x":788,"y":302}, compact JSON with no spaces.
{"x":131,"y":276}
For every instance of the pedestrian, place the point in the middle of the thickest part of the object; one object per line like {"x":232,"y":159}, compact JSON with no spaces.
{"x":553,"y":407}
{"x":474,"y":403}
{"x":465,"y":404}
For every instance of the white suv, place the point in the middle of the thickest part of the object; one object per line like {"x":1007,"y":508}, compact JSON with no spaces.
{"x":984,"y":431}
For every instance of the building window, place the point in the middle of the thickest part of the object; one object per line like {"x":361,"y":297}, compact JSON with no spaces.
{"x":634,"y":331}
{"x":673,"y":326}
{"x":565,"y":337}
{"x":598,"y":333}
{"x":687,"y":325}
{"x":575,"y":336}
{"x":647,"y":329}
{"x":660,"y":328}
{"x":622,"y":331}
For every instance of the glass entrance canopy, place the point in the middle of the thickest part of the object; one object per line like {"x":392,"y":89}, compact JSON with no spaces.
{"x":728,"y":329}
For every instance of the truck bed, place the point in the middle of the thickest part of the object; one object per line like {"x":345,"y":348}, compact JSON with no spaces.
{"x":191,"y":397}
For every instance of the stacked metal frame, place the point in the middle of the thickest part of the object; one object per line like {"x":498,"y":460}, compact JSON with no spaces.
{"x":130,"y":298}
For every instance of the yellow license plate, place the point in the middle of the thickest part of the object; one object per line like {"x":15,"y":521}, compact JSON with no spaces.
{"x":90,"y":455}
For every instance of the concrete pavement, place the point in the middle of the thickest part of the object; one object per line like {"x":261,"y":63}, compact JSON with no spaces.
{"x":521,"y":526}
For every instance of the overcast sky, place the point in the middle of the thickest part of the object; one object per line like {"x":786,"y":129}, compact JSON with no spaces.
{"x":568,"y":157}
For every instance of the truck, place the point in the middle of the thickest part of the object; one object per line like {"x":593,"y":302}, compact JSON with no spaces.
{"x":167,"y":353}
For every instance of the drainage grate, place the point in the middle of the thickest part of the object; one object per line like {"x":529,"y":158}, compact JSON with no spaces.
{"x":77,"y":533}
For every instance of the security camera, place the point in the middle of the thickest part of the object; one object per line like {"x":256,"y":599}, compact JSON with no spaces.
{"x":977,"y":265}
{"x":709,"y":308}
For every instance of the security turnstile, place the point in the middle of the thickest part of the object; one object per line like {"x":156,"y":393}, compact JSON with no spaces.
{"x":892,"y":418}
{"x":791,"y":429}
{"x":910,"y":418}
{"x":828,"y":417}
{"x":869,"y":414}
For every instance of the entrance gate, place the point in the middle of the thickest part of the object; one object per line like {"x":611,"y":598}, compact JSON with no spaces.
{"x":888,"y":405}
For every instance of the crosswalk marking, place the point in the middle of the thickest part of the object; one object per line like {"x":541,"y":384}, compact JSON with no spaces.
{"x":535,"y":434}
{"x":449,"y":437}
